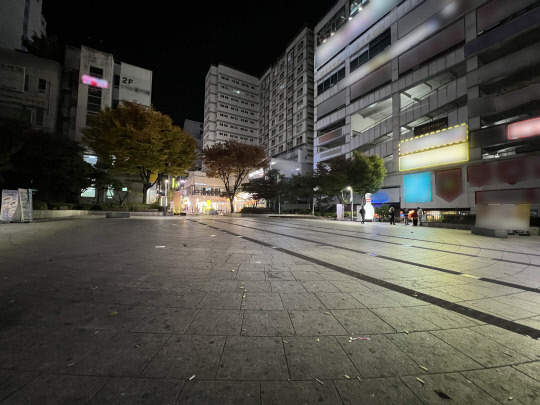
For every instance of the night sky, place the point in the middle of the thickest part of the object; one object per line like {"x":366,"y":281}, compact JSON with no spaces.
{"x":179,"y":40}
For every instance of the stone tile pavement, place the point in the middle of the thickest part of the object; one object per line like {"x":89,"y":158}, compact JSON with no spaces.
{"x":206,"y":310}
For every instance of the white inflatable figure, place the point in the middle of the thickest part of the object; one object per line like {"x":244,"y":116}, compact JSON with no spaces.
{"x":370,"y":211}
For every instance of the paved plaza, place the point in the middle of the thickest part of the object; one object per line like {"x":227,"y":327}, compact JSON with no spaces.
{"x":258,"y":310}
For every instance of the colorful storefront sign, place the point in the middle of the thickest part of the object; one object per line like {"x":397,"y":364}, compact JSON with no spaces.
{"x":448,"y":185}
{"x":435,"y":148}
{"x":417,"y":187}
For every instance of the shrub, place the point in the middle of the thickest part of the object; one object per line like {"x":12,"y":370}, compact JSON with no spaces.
{"x":458,"y":219}
{"x":96,"y":207}
{"x":256,"y":210}
{"x":40,"y":205}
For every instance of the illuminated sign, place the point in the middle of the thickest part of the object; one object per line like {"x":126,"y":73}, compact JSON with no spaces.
{"x":524,"y":129}
{"x":95,"y":82}
{"x":436,"y":148}
{"x":437,"y":139}
{"x":417,"y":188}
{"x":435,"y":157}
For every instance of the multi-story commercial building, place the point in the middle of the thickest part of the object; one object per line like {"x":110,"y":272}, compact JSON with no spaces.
{"x":275,"y":110}
{"x":93,"y":80}
{"x":29,"y":89}
{"x":19,"y":20}
{"x":446,"y":91}
{"x":195,"y":129}
{"x":230,"y":106}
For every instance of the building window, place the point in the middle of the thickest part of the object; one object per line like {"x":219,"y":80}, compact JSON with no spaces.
{"x":330,"y":80}
{"x":42,"y":85}
{"x":375,"y":47}
{"x":96,"y":72}
{"x":299,"y":92}
{"x":94,"y":100}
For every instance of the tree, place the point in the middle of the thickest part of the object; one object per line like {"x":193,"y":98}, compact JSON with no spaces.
{"x":50,"y":163}
{"x":231,"y":162}
{"x":267,"y":187}
{"x":138,"y":140}
{"x":332,"y":177}
{"x":366,"y":173}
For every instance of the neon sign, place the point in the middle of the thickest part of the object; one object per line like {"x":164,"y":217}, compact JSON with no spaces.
{"x":95,"y":82}
{"x":524,"y":129}
{"x":441,"y":147}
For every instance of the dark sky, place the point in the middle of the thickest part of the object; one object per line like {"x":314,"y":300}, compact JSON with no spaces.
{"x":178,"y":40}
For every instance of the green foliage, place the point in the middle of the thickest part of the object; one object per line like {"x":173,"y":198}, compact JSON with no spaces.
{"x":139,"y":140}
{"x":458,"y":219}
{"x":232,"y":161}
{"x":39,"y":205}
{"x":364,"y":174}
{"x":50,"y":163}
{"x":268,"y":187}
{"x":383,"y":211}
{"x":256,"y":210}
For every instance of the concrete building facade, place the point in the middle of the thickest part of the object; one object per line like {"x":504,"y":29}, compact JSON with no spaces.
{"x":286,"y":103}
{"x":19,"y":20}
{"x":445,"y":91}
{"x":29,"y":89}
{"x":93,"y":80}
{"x":230,"y":106}
{"x":274,"y":111}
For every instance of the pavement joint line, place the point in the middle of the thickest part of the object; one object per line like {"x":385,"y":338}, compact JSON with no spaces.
{"x":425,"y":266}
{"x":460,"y":309}
{"x":423,"y":247}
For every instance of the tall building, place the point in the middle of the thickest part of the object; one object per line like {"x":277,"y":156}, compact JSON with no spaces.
{"x":230,"y":106}
{"x":93,"y":80}
{"x":445,"y":91}
{"x":274,"y":111}
{"x":286,"y":103}
{"x":29,"y":89}
{"x":20,"y":19}
{"x":195,"y":129}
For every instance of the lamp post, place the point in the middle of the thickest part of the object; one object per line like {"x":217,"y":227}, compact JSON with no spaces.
{"x":352,"y":203}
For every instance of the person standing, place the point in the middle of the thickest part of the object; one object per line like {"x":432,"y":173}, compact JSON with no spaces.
{"x":414,"y":217}
{"x":363,"y":213}
{"x":392,"y":220}
{"x":405,"y":216}
{"x":420,"y":212}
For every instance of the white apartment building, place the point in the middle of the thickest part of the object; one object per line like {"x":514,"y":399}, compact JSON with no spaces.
{"x":446,"y":91}
{"x":274,"y":111}
{"x":286,"y":103}
{"x":93,"y":80}
{"x":231,"y":104}
{"x":20,"y":19}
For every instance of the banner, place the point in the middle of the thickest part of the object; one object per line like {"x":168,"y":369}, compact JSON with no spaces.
{"x":10,"y":203}
{"x":339,"y":212}
{"x":25,"y":202}
{"x":448,"y":184}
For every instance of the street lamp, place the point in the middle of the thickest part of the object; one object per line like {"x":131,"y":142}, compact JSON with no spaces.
{"x":352,"y":204}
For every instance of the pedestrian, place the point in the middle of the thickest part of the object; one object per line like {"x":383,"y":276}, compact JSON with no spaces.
{"x":420,"y":212}
{"x":363,"y":213}
{"x":392,"y":220}
{"x":414,"y":216}
{"x":406,"y":216}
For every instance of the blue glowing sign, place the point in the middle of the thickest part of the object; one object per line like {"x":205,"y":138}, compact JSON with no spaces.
{"x":417,"y":187}
{"x":379,"y":197}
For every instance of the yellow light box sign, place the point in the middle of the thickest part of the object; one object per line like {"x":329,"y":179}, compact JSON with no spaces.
{"x":436,"y":139}
{"x":435,"y":157}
